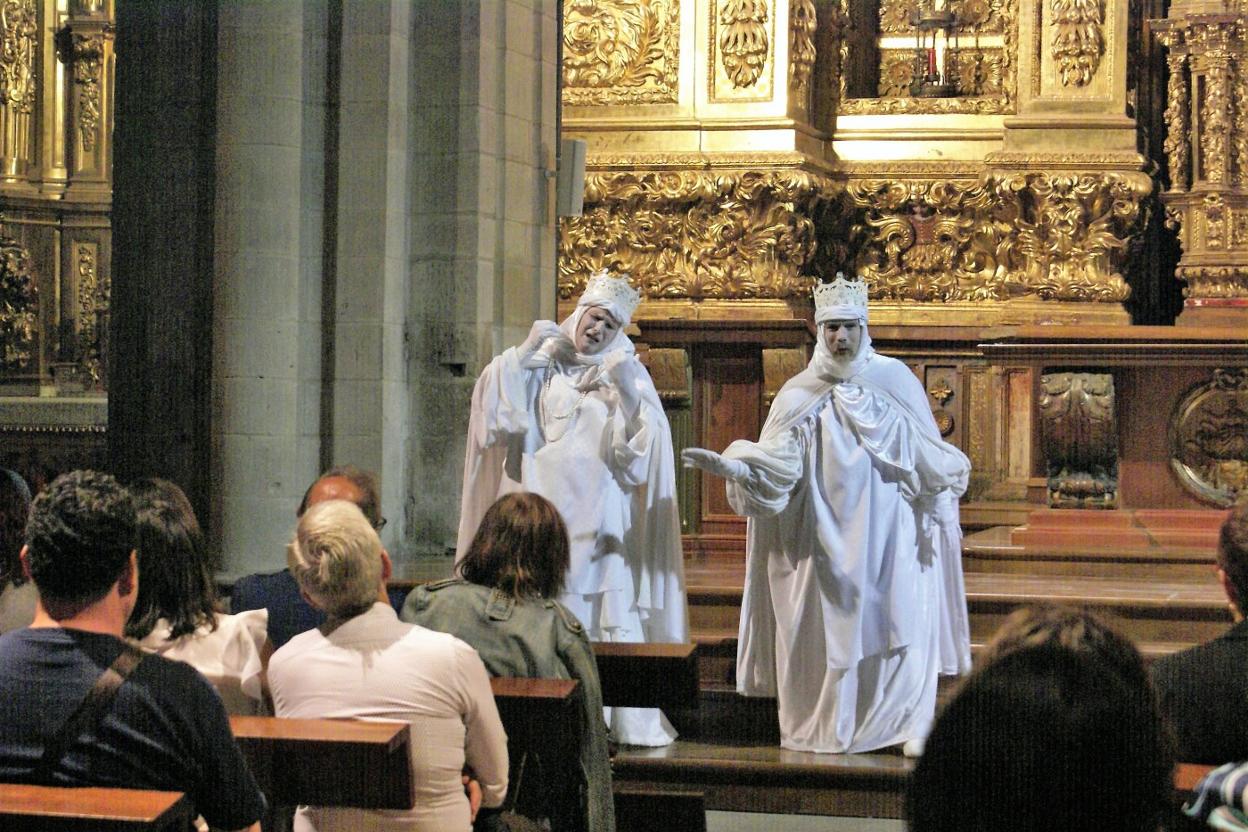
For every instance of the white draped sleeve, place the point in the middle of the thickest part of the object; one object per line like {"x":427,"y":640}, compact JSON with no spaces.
{"x":775,"y":468}
{"x":630,"y":455}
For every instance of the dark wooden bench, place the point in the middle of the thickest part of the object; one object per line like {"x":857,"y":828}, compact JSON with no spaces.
{"x":649,"y":675}
{"x":66,"y":809}
{"x":328,"y":762}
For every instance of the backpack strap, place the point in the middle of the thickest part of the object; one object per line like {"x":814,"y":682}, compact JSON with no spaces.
{"x":90,"y":711}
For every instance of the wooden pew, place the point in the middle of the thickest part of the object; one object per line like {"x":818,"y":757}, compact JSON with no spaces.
{"x":328,"y":762}
{"x":650,"y":675}
{"x":543,"y":720}
{"x":66,"y":809}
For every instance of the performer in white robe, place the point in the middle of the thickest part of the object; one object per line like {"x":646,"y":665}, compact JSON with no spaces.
{"x":854,"y":601}
{"x":572,"y":415}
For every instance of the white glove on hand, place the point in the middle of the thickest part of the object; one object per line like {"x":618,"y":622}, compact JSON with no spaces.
{"x":622,"y":371}
{"x":713,"y":463}
{"x":538,"y":333}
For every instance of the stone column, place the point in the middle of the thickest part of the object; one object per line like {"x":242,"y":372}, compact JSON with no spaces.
{"x":269,"y":266}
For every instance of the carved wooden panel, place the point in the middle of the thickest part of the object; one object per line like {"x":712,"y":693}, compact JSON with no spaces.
{"x":729,"y":401}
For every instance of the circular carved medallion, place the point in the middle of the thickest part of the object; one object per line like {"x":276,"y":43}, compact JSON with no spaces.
{"x":944,"y":421}
{"x":1209,"y":438}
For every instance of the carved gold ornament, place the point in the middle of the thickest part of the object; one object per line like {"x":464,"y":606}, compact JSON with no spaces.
{"x":802,"y":25}
{"x":1209,"y":438}
{"x":1080,"y":439}
{"x":620,"y":51}
{"x":19,"y":27}
{"x":1078,"y":40}
{"x":19,"y":307}
{"x":1175,"y":144}
{"x":697,"y":234}
{"x":88,"y":58}
{"x":743,"y":41}
{"x":93,"y":293}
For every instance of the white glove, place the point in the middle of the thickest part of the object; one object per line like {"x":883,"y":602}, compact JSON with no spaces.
{"x":538,"y":333}
{"x":622,"y":371}
{"x":713,"y":463}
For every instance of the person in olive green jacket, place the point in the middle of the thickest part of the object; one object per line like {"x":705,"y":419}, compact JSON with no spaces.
{"x":503,"y":605}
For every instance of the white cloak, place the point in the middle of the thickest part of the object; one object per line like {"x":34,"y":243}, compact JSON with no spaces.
{"x":854,"y":600}
{"x":613,"y":482}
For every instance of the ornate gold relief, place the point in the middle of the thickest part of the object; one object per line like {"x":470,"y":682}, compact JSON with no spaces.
{"x":976,"y":17}
{"x":1048,"y":235}
{"x":1078,"y":40}
{"x":620,"y":51}
{"x":697,"y":233}
{"x":981,"y":71}
{"x":802,"y":25}
{"x":743,"y":40}
{"x":18,"y":308}
{"x":1080,"y":439}
{"x":19,"y":26}
{"x":1209,"y":438}
{"x":88,"y":57}
{"x":1175,"y":144}
{"x":93,"y":293}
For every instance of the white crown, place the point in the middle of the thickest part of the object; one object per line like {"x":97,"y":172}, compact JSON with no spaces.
{"x":615,"y":293}
{"x":842,"y":293}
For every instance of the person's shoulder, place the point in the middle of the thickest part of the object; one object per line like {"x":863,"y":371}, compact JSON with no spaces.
{"x":171,"y":681}
{"x":296,"y":647}
{"x":567,"y":621}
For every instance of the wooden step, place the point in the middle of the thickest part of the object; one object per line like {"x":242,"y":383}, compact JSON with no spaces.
{"x":994,"y":550}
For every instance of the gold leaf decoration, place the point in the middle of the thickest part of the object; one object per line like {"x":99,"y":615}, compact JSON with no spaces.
{"x":620,"y":51}
{"x":19,"y":27}
{"x":88,"y":55}
{"x":1078,"y":42}
{"x":18,"y":307}
{"x":743,"y":41}
{"x":1209,"y":438}
{"x":802,"y":25}
{"x":697,"y":233}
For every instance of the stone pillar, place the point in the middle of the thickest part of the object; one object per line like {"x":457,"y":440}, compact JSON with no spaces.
{"x":162,"y":292}
{"x":482,"y":227}
{"x":270,"y":218}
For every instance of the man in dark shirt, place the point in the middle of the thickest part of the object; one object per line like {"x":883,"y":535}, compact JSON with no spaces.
{"x":165,"y":727}
{"x":289,"y":614}
{"x":1203,"y":691}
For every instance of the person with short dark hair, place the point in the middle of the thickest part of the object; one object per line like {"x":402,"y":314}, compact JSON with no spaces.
{"x":1045,"y":737}
{"x":165,"y":727}
{"x":289,"y":614}
{"x":1204,"y":690}
{"x":504,"y":605}
{"x":177,"y":613}
{"x":17,"y":594}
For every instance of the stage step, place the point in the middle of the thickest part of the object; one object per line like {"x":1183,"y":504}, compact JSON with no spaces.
{"x":997,"y":550}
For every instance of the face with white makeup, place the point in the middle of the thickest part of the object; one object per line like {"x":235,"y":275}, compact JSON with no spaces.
{"x":595,"y":330}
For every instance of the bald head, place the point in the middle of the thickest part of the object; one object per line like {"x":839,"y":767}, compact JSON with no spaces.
{"x":346,"y":483}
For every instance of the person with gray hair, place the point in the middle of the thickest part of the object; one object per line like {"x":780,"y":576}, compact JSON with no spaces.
{"x":364,"y":663}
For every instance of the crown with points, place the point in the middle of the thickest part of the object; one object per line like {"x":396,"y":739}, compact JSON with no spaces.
{"x":615,"y":293}
{"x":842,"y":294}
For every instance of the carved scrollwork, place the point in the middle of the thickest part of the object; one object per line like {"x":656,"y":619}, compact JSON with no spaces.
{"x":980,"y":72}
{"x":696,"y":233}
{"x":1209,"y":438}
{"x":802,"y":25}
{"x":1080,"y":439}
{"x":620,"y":51}
{"x":1050,"y":236}
{"x":1175,"y":144}
{"x":1065,"y":234}
{"x":1078,"y":40}
{"x":743,"y":41}
{"x":88,"y":57}
{"x":1216,"y":126}
{"x":93,"y":293}
{"x":19,"y":29}
{"x":19,"y":307}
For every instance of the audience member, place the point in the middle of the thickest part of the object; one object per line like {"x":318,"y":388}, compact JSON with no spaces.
{"x":17,"y":595}
{"x":163,"y":727}
{"x":503,"y":604}
{"x":177,"y":613}
{"x":364,"y":663}
{"x":1055,"y":731}
{"x":1203,"y":691}
{"x":1045,"y":737}
{"x":289,"y":613}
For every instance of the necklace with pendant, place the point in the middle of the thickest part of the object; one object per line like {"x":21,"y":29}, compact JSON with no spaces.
{"x":544,"y":415}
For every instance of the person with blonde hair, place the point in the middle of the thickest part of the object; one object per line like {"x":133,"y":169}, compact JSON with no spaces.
{"x":364,"y":663}
{"x":504,"y":604}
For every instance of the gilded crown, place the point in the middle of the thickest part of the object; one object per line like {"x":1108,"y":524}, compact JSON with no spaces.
{"x":841,"y":293}
{"x":615,"y":293}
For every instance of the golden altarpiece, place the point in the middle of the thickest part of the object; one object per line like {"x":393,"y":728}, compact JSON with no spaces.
{"x":56,"y":85}
{"x":999,"y":171}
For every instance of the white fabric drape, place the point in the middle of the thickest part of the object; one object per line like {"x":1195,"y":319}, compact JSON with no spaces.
{"x":611,"y":477}
{"x":854,"y":600}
